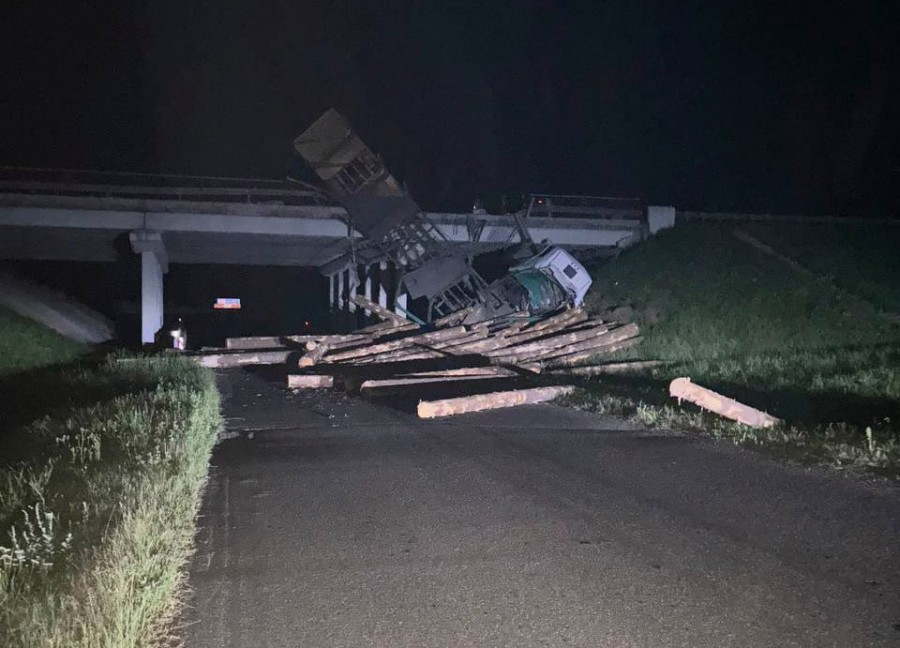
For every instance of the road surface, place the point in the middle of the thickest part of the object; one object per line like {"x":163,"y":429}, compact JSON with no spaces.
{"x":329,"y":521}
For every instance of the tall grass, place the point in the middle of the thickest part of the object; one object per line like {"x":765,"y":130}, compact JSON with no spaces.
{"x":742,"y":322}
{"x":26,"y":345}
{"x":98,"y":518}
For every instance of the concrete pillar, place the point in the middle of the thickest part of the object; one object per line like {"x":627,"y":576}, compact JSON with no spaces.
{"x":659,"y":218}
{"x":352,"y":283}
{"x":401,"y":300}
{"x":340,"y":290}
{"x":369,"y":289}
{"x":382,"y":279}
{"x":154,"y":263}
{"x":332,"y":291}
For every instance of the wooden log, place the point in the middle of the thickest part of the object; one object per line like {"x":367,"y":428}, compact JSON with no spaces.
{"x":310,"y":358}
{"x":393,"y":345}
{"x":684,"y":389}
{"x":379,"y":310}
{"x":337,"y":340}
{"x":600,"y":341}
{"x":454,"y":319}
{"x":309,"y":381}
{"x":611,"y":368}
{"x":400,"y":384}
{"x":242,"y":358}
{"x":574,"y":359}
{"x":269,"y":341}
{"x":564,"y":338}
{"x":387,"y":327}
{"x":494,"y":400}
{"x":462,"y":371}
{"x":548,"y":326}
{"x":419,"y":349}
{"x":552,"y":322}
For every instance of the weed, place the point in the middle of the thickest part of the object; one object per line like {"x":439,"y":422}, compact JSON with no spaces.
{"x":99,"y":516}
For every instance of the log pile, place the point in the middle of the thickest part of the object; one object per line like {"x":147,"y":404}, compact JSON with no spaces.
{"x":399,"y":357}
{"x":501,"y":362}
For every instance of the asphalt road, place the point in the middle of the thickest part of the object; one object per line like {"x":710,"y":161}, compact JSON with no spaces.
{"x":329,"y":521}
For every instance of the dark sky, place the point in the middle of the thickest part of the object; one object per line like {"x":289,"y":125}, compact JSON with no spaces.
{"x":742,"y":106}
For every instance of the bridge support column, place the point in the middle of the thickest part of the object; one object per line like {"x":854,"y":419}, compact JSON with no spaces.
{"x":382,"y":290}
{"x":154,"y":263}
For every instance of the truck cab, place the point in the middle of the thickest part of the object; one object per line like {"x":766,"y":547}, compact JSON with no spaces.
{"x":563,"y":267}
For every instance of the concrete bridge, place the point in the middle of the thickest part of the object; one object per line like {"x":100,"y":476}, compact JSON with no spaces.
{"x":236,"y":222}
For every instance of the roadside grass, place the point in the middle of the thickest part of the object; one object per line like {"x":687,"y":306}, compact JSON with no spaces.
{"x":858,"y":257}
{"x":98,"y":500}
{"x":745,"y":324}
{"x":26,"y":345}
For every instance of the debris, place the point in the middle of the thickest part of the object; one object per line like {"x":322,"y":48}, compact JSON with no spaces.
{"x":683,"y":388}
{"x":495,"y":400}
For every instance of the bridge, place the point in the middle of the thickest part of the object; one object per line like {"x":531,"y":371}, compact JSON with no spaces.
{"x":199,"y":220}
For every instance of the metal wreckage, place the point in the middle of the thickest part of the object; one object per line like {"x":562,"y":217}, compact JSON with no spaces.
{"x":544,"y":279}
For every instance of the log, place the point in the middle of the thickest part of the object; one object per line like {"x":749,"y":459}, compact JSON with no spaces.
{"x":393,"y":345}
{"x":269,"y":341}
{"x":379,"y":310}
{"x":600,"y":341}
{"x":561,"y":339}
{"x":462,"y":371}
{"x":310,"y":358}
{"x":242,"y":359}
{"x":419,"y":350}
{"x":574,"y":359}
{"x":387,"y":327}
{"x":309,"y":381}
{"x":684,"y":389}
{"x":611,"y":368}
{"x":454,"y":319}
{"x":494,"y":400}
{"x":548,"y":326}
{"x":392,"y":384}
{"x":336,"y":340}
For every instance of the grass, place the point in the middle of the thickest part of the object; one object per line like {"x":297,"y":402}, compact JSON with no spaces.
{"x":859,"y":258}
{"x":98,"y":498}
{"x":741,"y":322}
{"x":25,"y":345}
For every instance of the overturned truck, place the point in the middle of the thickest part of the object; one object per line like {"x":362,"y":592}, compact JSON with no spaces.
{"x":431,"y":269}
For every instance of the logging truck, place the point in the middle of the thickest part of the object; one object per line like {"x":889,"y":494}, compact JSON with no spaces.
{"x":431,"y":269}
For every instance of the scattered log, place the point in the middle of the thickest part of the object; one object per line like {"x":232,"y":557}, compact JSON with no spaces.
{"x":600,"y":341}
{"x":463,"y":371}
{"x":270,"y":341}
{"x":378,"y":310}
{"x":684,"y":389}
{"x":391,"y":327}
{"x":454,"y":319}
{"x":494,"y":400}
{"x":392,"y":384}
{"x":393,"y":345}
{"x":574,"y":359}
{"x":243,"y":358}
{"x":309,"y":381}
{"x":310,"y":358}
{"x":549,"y":343}
{"x":611,"y":368}
{"x":337,"y":340}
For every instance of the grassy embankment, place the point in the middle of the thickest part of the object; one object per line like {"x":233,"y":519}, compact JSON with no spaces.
{"x":101,"y":477}
{"x":803,"y":347}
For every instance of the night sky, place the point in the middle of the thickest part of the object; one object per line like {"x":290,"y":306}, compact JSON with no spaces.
{"x":740,"y":106}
